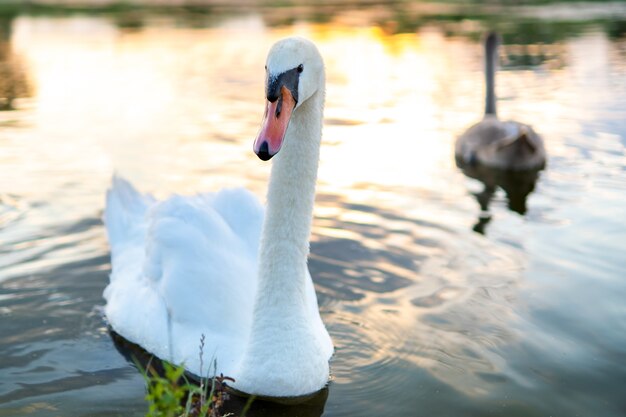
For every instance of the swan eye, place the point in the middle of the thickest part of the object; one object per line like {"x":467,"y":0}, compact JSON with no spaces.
{"x":266,"y":68}
{"x":300,"y":68}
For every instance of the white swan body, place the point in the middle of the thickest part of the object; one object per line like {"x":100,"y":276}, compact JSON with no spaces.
{"x":217,"y":265}
{"x":505,"y":145}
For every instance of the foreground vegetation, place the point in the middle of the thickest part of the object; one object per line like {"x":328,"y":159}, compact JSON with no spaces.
{"x":170,"y":394}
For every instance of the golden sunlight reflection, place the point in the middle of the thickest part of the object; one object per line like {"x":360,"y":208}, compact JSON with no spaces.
{"x":386,"y":84}
{"x":132,"y":91}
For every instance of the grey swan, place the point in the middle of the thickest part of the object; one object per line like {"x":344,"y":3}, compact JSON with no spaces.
{"x":493,"y":143}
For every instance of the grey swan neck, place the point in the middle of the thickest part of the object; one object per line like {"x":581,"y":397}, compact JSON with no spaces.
{"x":491,"y":57}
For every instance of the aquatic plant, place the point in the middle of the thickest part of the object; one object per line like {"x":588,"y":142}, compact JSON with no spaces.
{"x":171,"y":394}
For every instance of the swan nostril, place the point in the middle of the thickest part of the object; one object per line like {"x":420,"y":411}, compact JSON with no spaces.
{"x":279,"y":106}
{"x":264,"y":152}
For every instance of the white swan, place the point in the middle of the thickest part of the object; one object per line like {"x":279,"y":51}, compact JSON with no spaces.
{"x":212,"y":264}
{"x":507,"y":145}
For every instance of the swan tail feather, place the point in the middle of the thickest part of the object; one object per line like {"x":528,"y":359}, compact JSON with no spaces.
{"x":125,"y":212}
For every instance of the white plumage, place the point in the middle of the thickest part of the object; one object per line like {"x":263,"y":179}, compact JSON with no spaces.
{"x":217,"y":265}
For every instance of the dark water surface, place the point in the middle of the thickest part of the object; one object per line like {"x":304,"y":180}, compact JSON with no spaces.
{"x":446,"y":294}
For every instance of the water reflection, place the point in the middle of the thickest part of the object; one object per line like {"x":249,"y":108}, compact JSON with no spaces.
{"x":517,"y":186}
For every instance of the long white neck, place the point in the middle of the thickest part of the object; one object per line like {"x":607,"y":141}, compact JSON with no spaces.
{"x":285,"y":239}
{"x":284,"y":335}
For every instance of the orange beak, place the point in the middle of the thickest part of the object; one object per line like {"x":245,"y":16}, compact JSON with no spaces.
{"x":275,"y":122}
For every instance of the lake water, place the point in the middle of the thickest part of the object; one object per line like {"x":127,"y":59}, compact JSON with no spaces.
{"x":444,"y":296}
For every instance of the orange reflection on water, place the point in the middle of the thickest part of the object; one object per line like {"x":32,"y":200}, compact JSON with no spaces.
{"x":382,"y":109}
{"x":140,"y":94}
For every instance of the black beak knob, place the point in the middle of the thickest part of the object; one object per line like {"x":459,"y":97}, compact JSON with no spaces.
{"x":264,"y":153}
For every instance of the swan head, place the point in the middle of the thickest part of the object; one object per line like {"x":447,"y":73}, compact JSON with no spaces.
{"x":294,"y":72}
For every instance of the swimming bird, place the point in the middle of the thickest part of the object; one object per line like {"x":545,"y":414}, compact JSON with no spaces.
{"x":219,"y":265}
{"x":507,"y":145}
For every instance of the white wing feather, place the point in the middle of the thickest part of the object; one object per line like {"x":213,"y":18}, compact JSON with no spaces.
{"x":181,"y":268}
